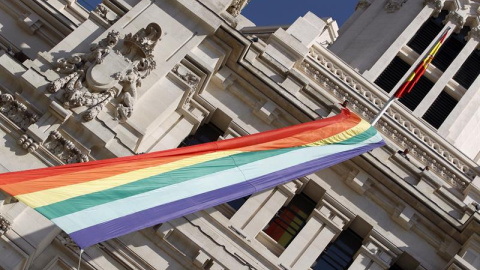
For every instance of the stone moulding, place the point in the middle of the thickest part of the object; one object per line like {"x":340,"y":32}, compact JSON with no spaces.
{"x":108,"y":71}
{"x":438,"y":162}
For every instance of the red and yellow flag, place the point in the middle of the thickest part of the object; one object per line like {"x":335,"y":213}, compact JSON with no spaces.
{"x":408,"y":85}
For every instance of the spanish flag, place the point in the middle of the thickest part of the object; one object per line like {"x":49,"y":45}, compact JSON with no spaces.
{"x":421,"y":68}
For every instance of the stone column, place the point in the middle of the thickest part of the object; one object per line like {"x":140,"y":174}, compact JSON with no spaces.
{"x":255,"y":214}
{"x":374,"y":255}
{"x":471,"y":45}
{"x":324,"y":224}
{"x":431,"y":8}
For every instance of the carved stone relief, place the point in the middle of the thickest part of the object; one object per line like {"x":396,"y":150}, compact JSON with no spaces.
{"x":95,"y":78}
{"x":363,"y":4}
{"x":394,"y":5}
{"x":4,"y":225}
{"x":236,"y":7}
{"x":16,"y":111}
{"x":437,"y":6}
{"x":64,"y":149}
{"x":105,"y":13}
{"x":190,"y":78}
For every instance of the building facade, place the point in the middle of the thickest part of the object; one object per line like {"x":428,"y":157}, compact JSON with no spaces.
{"x":135,"y":76}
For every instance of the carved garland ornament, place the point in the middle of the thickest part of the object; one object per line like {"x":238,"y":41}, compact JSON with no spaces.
{"x":390,"y":131}
{"x":16,"y":111}
{"x":363,"y":4}
{"x":106,"y":14}
{"x":64,"y":149}
{"x":93,"y":79}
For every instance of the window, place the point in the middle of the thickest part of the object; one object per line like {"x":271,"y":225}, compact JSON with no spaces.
{"x":289,"y":220}
{"x":236,"y":204}
{"x":338,"y":255}
{"x":392,"y":74}
{"x":419,"y":91}
{"x":427,"y":32}
{"x":469,"y":71}
{"x":204,"y":134}
{"x":450,"y":49}
{"x":89,"y":4}
{"x":440,"y":109}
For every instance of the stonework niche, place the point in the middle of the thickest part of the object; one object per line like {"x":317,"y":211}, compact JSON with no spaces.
{"x":108,"y":71}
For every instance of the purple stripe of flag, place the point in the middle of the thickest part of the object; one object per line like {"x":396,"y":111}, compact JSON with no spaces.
{"x":150,"y":217}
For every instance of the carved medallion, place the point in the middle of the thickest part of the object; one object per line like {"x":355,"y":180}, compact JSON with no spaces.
{"x":108,"y":72}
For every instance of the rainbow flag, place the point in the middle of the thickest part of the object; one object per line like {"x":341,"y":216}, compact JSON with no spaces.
{"x":100,"y":200}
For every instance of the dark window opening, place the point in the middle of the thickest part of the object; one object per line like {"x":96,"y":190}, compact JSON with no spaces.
{"x":469,"y":71}
{"x":427,"y":32}
{"x":206,"y":133}
{"x":236,"y":204}
{"x":450,"y":49}
{"x":290,"y":220}
{"x":440,"y":109}
{"x":418,"y":93}
{"x":89,"y":4}
{"x":392,"y":74}
{"x":338,"y":255}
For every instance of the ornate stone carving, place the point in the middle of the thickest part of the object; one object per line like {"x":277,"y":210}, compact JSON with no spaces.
{"x":236,"y":7}
{"x":190,"y":78}
{"x":456,"y":18}
{"x":93,"y":79}
{"x":363,"y":4}
{"x":16,"y":111}
{"x":27,"y":143}
{"x":437,"y":6}
{"x":433,"y":161}
{"x":64,"y":149}
{"x":4,"y":225}
{"x":474,"y":33}
{"x":106,"y":14}
{"x":394,"y":5}
{"x":67,"y":241}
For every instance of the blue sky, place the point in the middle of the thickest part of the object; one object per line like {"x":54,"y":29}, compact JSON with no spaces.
{"x":279,"y":12}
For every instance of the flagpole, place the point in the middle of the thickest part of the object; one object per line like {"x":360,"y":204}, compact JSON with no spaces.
{"x":413,"y":78}
{"x":384,"y":109}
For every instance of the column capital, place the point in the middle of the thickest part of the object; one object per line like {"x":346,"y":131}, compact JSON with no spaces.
{"x":437,"y":6}
{"x":474,"y":34}
{"x":456,"y":18}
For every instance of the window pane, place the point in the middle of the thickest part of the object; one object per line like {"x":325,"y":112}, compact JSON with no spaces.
{"x":418,"y":93}
{"x":338,"y":255}
{"x":290,"y":220}
{"x":392,"y":74}
{"x":427,"y":33}
{"x":440,"y":109}
{"x":89,"y":4}
{"x":469,"y":71}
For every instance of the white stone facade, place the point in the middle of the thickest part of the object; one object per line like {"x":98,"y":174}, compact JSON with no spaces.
{"x":178,"y":65}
